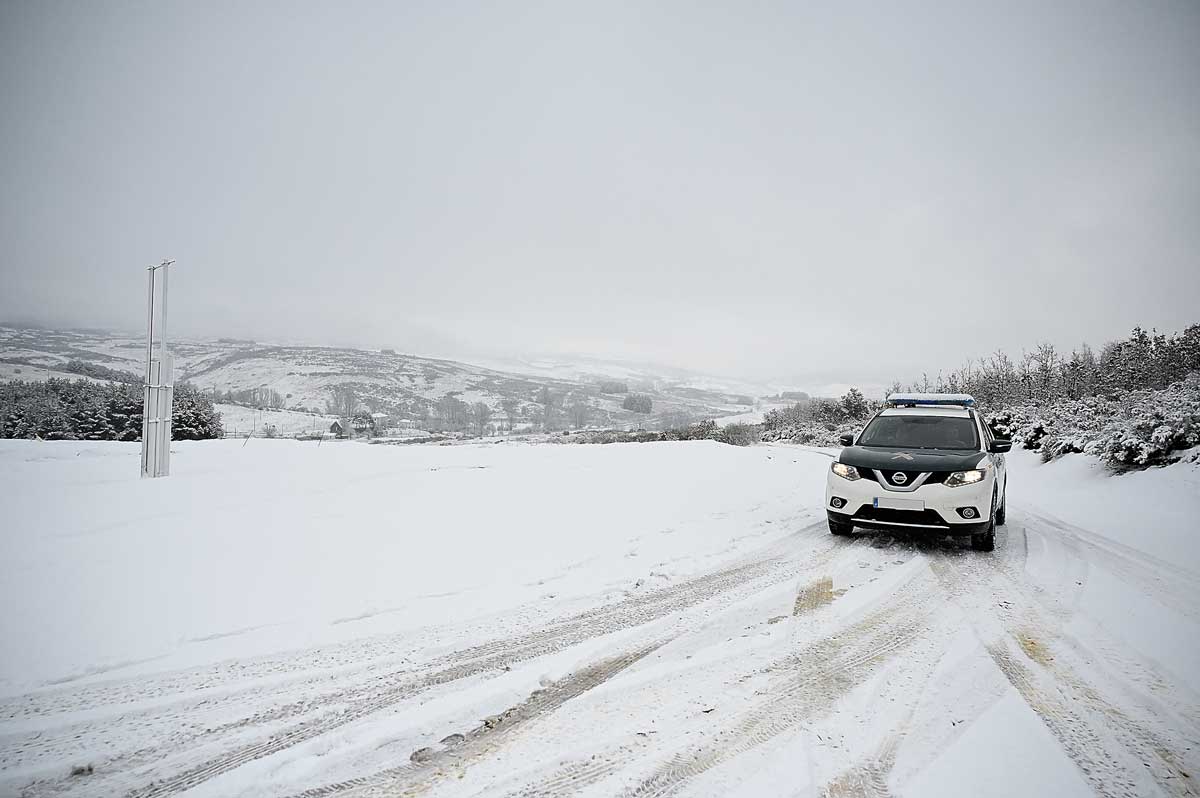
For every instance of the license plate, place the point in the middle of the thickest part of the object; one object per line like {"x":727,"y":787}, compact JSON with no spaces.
{"x":899,"y":504}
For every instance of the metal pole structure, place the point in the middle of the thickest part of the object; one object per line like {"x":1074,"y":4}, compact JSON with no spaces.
{"x":167,"y":380}
{"x":156,"y":413}
{"x":146,"y":414}
{"x":162,"y":328}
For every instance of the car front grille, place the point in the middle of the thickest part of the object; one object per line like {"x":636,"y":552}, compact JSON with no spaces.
{"x":935,"y":477}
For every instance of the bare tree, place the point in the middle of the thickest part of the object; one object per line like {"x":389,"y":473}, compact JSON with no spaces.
{"x":578,"y":412}
{"x":481,"y":414}
{"x":548,"y":400}
{"x":675,"y":419}
{"x":510,"y":406}
{"x":454,"y":412}
{"x":343,"y":404}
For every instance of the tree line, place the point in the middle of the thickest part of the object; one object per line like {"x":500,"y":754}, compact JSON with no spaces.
{"x":60,"y":409}
{"x":1144,"y":360}
{"x":262,"y":398}
{"x":544,"y":409}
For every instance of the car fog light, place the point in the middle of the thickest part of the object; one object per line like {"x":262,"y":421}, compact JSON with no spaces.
{"x":837,"y":502}
{"x":968,"y":512}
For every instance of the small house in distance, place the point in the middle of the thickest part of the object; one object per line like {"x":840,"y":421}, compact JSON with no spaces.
{"x":337,"y":429}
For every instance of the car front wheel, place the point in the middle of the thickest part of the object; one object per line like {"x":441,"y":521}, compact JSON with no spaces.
{"x":986,"y":540}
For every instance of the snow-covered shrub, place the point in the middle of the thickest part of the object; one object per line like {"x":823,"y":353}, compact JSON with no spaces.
{"x":1150,"y":440}
{"x":702,"y":431}
{"x":1003,"y":424}
{"x":818,"y":422}
{"x":1130,"y":429}
{"x":615,"y":436}
{"x":1055,"y":446}
{"x":1032,"y":438}
{"x":739,"y":434}
{"x":811,"y":433}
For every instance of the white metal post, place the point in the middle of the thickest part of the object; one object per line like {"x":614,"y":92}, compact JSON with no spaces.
{"x":159,"y":395}
{"x":146,"y":399}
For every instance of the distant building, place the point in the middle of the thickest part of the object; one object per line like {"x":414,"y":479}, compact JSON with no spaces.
{"x":336,"y":428}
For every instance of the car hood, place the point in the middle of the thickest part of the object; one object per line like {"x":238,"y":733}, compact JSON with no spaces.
{"x":898,"y":459}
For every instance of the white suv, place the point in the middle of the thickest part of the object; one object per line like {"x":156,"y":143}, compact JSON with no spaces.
{"x":925,"y":463}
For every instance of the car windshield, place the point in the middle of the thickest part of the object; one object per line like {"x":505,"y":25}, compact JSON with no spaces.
{"x":920,"y":432}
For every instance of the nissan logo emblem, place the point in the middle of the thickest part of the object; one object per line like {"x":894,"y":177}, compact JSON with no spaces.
{"x":899,"y":478}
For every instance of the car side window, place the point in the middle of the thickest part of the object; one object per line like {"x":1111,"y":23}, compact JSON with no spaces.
{"x":987,"y":433}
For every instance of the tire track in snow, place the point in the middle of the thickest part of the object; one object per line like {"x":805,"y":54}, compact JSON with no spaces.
{"x":483,"y":740}
{"x":866,"y":780}
{"x":770,"y":565}
{"x":814,"y":679}
{"x":1118,"y":754}
{"x":570,"y":778}
{"x":1089,"y":729}
{"x":869,"y":778}
{"x":1175,"y":587}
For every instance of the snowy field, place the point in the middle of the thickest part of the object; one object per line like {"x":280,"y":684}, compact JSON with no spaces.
{"x":239,"y":420}
{"x":283,"y":619}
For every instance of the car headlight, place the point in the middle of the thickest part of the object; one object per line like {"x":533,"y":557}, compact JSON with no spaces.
{"x":846,"y":471}
{"x":960,"y":478}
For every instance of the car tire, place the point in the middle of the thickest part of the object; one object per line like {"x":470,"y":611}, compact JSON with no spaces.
{"x":986,"y":540}
{"x":840,"y":528}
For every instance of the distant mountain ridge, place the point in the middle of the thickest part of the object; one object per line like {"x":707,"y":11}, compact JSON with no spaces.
{"x":403,"y":385}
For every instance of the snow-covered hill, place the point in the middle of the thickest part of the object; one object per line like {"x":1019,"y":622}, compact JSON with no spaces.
{"x":402,"y":384}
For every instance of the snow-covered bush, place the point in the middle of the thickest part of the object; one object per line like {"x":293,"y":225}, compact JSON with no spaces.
{"x":739,"y":434}
{"x":811,"y":433}
{"x":1128,"y":429}
{"x":734,"y":434}
{"x":702,"y":431}
{"x":818,"y":422}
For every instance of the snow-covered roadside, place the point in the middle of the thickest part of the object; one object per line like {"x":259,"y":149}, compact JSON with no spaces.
{"x":1153,"y":511}
{"x":280,"y":544}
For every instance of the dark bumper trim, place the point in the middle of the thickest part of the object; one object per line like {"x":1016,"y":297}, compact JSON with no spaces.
{"x":897,"y":526}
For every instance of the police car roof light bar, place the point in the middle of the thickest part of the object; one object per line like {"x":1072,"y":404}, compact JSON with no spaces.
{"x":930,"y":400}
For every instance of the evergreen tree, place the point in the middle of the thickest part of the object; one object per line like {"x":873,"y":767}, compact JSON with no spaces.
{"x":854,"y":405}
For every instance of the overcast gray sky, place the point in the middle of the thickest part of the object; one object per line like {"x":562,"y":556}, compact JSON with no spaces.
{"x":759,"y":189}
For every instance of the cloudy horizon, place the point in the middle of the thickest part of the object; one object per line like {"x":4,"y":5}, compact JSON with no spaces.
{"x":776,"y":193}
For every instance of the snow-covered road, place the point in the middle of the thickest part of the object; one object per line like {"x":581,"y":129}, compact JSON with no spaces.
{"x":653,"y":620}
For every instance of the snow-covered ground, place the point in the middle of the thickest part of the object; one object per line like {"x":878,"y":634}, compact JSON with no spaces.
{"x":289,"y":618}
{"x":239,"y":420}
{"x":27,"y":373}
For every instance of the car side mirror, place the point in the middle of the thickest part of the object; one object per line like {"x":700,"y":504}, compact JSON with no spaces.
{"x":847,"y":439}
{"x":998,"y":446}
